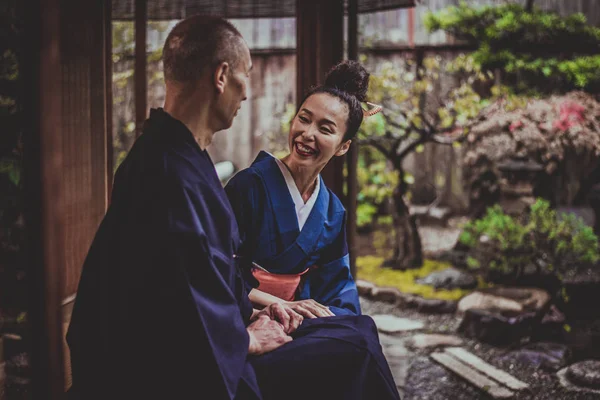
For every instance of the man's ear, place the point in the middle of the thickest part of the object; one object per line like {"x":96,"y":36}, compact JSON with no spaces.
{"x":344,"y":148}
{"x":220,"y":77}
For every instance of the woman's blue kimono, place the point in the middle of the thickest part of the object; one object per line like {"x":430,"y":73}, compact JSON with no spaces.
{"x":270,"y":235}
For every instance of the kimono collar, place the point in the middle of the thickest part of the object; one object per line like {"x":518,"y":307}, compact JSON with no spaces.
{"x":284,"y":207}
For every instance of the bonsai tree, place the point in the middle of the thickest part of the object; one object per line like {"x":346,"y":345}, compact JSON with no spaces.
{"x":561,"y":133}
{"x":412,"y":117}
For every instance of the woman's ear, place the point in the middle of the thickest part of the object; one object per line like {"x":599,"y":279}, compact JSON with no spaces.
{"x":344,"y":148}
{"x":220,"y":77}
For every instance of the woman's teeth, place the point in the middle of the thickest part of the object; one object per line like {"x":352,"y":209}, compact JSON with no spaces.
{"x":304,"y":150}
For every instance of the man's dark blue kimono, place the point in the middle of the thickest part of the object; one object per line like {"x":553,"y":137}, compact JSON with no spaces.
{"x":161,"y":309}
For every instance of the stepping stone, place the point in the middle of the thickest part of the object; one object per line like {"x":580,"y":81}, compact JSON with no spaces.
{"x":392,"y":324}
{"x":425,"y":340}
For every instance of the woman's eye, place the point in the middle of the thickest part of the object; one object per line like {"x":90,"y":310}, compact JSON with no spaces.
{"x":303,"y":119}
{"x":326,"y":130}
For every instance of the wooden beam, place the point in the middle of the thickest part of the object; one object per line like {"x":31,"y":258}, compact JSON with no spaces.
{"x":352,"y":156}
{"x":43,"y":202}
{"x":140,"y":79}
{"x":320,"y":45}
{"x":108,"y":99}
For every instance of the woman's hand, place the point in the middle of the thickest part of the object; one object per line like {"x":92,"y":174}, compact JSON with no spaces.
{"x":282,"y":313}
{"x":310,"y":308}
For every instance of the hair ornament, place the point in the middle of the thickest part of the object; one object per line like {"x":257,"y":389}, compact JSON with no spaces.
{"x":375,"y":108}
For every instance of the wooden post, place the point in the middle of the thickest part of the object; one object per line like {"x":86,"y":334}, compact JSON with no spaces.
{"x":320,"y":45}
{"x":141,"y":82}
{"x":43,"y":184}
{"x":352,"y":157}
{"x":108,"y":97}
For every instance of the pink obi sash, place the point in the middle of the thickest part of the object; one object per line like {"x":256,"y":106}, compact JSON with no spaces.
{"x":284,"y":286}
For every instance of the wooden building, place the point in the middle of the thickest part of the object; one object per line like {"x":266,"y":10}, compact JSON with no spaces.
{"x":65,"y":74}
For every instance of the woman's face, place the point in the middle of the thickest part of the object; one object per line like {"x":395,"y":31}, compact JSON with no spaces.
{"x":317,"y":131}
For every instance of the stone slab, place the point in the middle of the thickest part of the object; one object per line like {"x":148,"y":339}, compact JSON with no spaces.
{"x":476,"y":378}
{"x":491,"y":371}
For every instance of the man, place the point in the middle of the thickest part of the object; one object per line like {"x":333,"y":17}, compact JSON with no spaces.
{"x":161,"y":309}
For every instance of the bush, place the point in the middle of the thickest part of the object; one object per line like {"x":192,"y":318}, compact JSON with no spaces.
{"x":542,"y":243}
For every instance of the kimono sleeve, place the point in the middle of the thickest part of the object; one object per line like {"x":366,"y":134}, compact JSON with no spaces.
{"x":208,"y":280}
{"x":332,"y":283}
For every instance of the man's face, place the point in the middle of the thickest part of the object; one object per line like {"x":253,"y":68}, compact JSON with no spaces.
{"x":234,"y":94}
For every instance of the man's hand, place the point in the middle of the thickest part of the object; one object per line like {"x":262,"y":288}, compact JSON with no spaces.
{"x":310,"y":308}
{"x":265,"y":335}
{"x":285,"y":315}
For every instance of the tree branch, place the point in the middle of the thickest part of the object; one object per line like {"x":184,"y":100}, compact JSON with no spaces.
{"x":375,"y":143}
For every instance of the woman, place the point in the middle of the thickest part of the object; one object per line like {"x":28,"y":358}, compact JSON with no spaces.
{"x":291,"y":225}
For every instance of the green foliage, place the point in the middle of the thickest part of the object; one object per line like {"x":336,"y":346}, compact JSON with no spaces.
{"x":546,"y":51}
{"x":369,"y":269}
{"x":376,"y":182}
{"x":548,"y":242}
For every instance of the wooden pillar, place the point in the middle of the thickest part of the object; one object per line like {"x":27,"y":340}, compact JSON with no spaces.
{"x":43,"y":194}
{"x":352,"y":155}
{"x":141,"y":81}
{"x":108,"y":100}
{"x":320,"y":45}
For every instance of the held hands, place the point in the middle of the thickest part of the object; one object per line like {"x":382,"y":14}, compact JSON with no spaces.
{"x":310,"y":308}
{"x":266,"y":335}
{"x":282,"y":313}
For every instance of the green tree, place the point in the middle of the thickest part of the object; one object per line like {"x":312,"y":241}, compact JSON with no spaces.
{"x":414,"y":114}
{"x":535,"y":50}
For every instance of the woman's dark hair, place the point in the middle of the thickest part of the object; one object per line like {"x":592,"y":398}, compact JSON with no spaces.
{"x":348,"y":81}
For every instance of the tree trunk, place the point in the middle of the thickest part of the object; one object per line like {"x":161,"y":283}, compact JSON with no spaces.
{"x":529,"y":6}
{"x":408,"y":252}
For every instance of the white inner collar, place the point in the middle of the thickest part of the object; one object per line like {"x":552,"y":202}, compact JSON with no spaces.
{"x":302,"y":209}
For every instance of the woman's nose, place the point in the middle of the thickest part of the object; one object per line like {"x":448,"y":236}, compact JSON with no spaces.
{"x":309,"y":132}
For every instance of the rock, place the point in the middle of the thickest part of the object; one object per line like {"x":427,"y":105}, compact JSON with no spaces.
{"x":503,"y":315}
{"x":547,"y":356}
{"x":506,"y":299}
{"x":392,"y":324}
{"x":432,"y":306}
{"x":497,"y":328}
{"x":386,"y":294}
{"x":364,"y":288}
{"x":434,"y":340}
{"x":450,"y":278}
{"x":565,"y":382}
{"x":585,"y":373}
{"x":483,"y":301}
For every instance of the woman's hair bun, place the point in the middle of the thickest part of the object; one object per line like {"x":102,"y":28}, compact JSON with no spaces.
{"x":350,"y":77}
